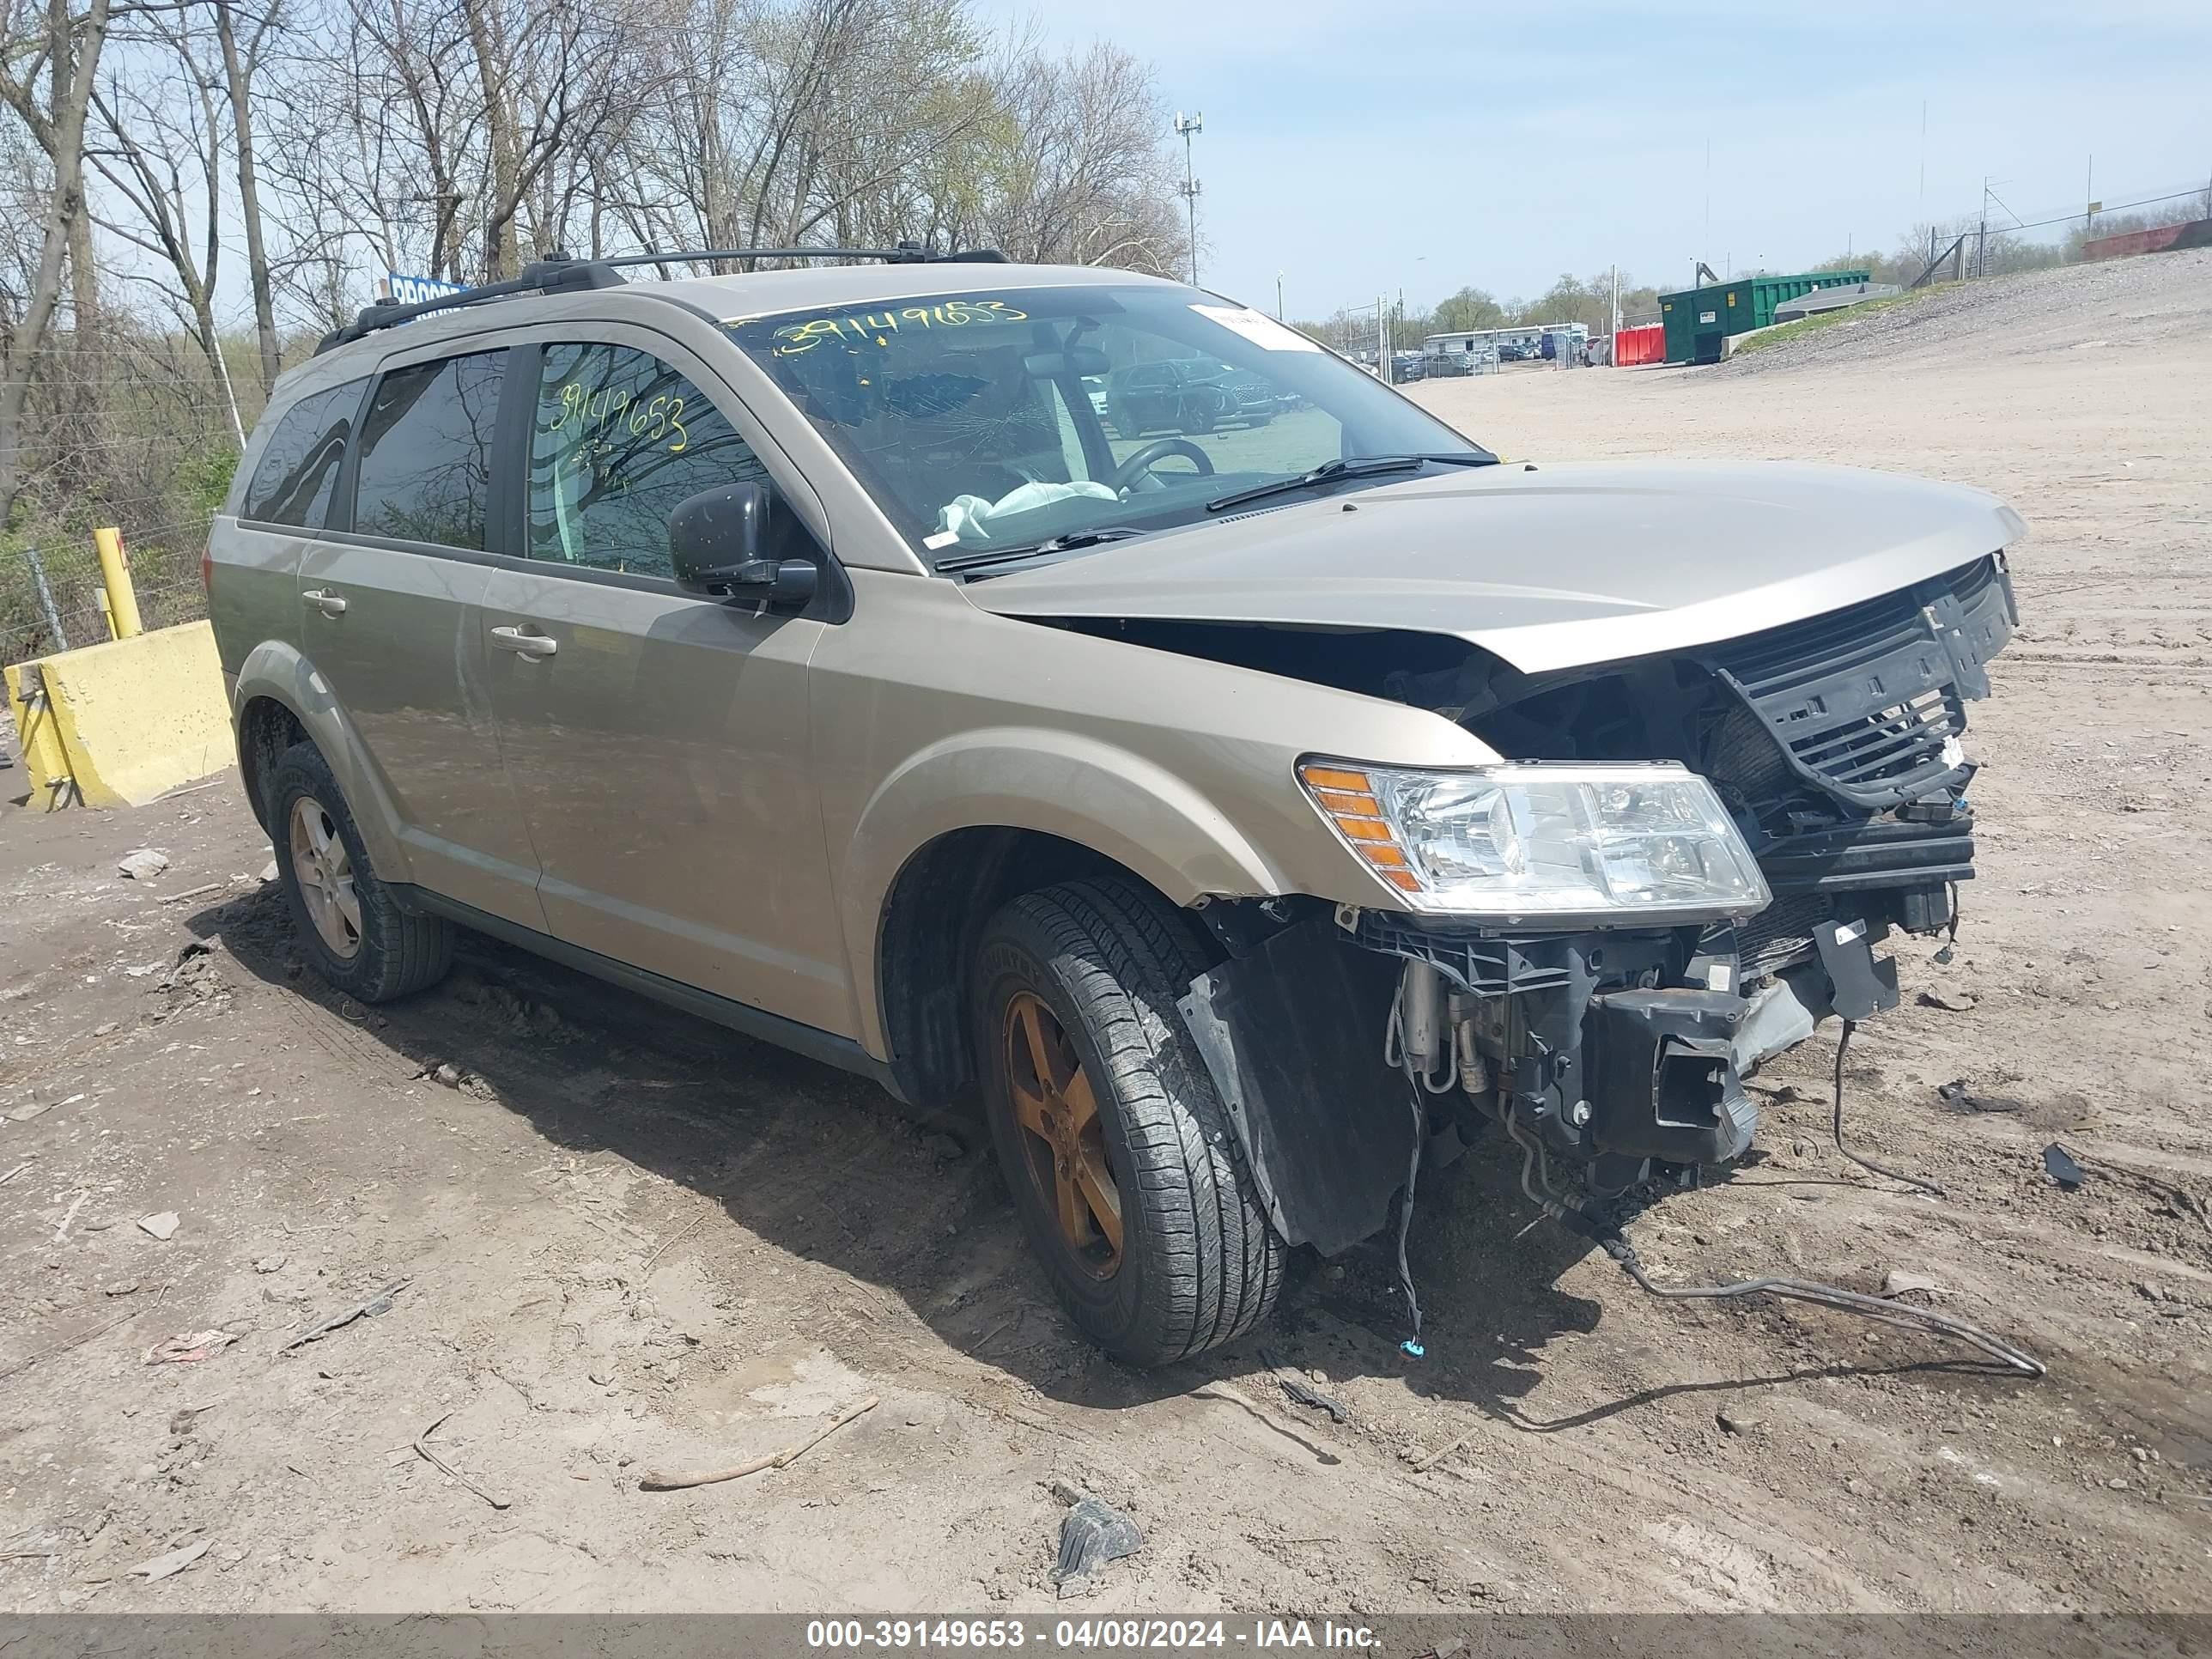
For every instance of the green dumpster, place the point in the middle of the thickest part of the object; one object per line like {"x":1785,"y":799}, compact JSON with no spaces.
{"x":1697,"y":320}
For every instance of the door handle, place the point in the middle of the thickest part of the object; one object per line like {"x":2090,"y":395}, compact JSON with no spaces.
{"x":526,"y":645}
{"x":331,"y":604}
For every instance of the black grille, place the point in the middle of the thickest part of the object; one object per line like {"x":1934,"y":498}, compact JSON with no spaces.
{"x":1864,"y":700}
{"x":1780,"y":935}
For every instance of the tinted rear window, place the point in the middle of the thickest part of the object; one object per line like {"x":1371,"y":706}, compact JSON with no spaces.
{"x":297,"y":475}
{"x":426,"y":456}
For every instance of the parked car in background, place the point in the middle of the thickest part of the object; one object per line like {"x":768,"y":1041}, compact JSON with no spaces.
{"x":1184,"y":394}
{"x":1094,"y":387}
{"x":1407,"y":366}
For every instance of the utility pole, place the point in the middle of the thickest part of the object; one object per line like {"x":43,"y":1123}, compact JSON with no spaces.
{"x":2090,"y":200}
{"x":1278,"y":296}
{"x":1981,"y":238}
{"x":1707,"y":238}
{"x":1615,"y":329}
{"x":1187,"y":126}
{"x":1923,"y":170}
{"x":1383,"y":364}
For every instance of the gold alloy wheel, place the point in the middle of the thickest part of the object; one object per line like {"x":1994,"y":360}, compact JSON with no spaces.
{"x":325,"y":870}
{"x":1063,"y":1133}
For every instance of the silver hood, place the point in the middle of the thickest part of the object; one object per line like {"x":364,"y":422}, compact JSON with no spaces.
{"x":1549,"y":566}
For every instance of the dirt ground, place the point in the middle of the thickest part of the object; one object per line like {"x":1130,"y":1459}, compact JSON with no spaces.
{"x":629,"y":1241}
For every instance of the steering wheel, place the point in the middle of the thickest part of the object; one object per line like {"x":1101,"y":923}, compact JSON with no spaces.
{"x":1141,"y":463}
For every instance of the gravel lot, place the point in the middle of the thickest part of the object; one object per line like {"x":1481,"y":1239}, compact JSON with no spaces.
{"x":629,"y":1241}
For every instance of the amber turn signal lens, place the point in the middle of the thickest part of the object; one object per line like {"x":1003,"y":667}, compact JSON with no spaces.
{"x":1335,"y":777}
{"x":1346,"y":795}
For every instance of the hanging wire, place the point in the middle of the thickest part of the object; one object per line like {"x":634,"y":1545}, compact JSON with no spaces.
{"x":1571,"y":1213}
{"x":1843,"y":1043}
{"x":1829,"y":1296}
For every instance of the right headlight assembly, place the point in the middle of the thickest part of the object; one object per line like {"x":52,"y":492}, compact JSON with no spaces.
{"x":1524,"y":842}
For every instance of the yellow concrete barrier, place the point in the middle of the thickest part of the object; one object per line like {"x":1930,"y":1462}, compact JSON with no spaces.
{"x":38,"y":737}
{"x":117,"y":723}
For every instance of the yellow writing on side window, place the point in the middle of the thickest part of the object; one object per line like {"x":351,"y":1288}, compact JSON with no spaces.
{"x":875,"y":327}
{"x":655,"y":418}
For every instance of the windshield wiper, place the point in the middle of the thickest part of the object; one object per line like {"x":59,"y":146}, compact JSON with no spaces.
{"x":1073,"y":538}
{"x":1355,"y":466}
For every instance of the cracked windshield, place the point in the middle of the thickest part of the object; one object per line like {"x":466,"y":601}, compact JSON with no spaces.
{"x":997,"y":421}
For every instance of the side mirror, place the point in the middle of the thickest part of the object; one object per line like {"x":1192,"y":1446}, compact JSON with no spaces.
{"x":716,"y":540}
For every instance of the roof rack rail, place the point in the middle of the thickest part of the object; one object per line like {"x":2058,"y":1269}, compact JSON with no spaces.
{"x":560,"y":272}
{"x":905,"y":253}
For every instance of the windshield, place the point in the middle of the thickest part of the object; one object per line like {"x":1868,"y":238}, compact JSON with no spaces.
{"x":1002,"y":419}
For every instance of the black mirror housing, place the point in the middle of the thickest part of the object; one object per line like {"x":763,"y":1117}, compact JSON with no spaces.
{"x":717,"y":542}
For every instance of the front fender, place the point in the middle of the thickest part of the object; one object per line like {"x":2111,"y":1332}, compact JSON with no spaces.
{"x":278,"y":672}
{"x":1130,"y":809}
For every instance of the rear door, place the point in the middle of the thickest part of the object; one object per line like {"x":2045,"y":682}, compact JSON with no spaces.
{"x":389,"y":618}
{"x":283,"y":503}
{"x":658,"y":740}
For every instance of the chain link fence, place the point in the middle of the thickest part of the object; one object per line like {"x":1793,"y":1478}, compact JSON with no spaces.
{"x":51,"y":596}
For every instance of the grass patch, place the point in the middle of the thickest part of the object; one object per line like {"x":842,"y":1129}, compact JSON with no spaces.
{"x":1783,"y":333}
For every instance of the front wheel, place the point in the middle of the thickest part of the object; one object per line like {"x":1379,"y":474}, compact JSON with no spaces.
{"x":1125,"y":1171}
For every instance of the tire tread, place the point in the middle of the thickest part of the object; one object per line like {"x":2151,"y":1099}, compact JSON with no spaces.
{"x":1127,"y":957}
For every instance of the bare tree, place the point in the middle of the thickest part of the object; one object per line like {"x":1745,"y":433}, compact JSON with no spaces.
{"x":245,"y":54}
{"x":64,"y":48}
{"x":1083,"y":176}
{"x":162,"y":137}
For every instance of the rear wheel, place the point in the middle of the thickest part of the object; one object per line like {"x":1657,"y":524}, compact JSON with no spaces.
{"x":1125,"y":1171}
{"x":351,"y":927}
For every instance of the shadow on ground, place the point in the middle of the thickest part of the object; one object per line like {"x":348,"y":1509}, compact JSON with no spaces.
{"x":827,"y":1167}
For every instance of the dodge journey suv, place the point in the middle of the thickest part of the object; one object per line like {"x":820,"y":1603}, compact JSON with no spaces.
{"x":1241,"y":816}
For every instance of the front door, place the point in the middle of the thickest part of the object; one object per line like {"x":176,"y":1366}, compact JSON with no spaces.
{"x":658,"y":740}
{"x":389,"y":620}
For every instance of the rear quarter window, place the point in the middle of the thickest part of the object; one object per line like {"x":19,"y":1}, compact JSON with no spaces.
{"x":296,"y":478}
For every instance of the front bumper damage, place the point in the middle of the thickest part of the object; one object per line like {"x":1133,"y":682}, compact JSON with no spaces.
{"x":1622,"y":1051}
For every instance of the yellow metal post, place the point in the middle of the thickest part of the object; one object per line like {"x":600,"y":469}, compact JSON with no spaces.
{"x":115,"y":577}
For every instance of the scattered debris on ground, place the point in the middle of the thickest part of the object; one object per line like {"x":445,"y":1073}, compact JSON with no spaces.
{"x":1091,"y":1534}
{"x":189,"y":1347}
{"x":2059,"y":1164}
{"x":783,"y":1458}
{"x":167,"y":1566}
{"x":368,"y":1307}
{"x":422,"y":1444}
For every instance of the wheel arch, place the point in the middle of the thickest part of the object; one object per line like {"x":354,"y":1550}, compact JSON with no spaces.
{"x":932,"y":921}
{"x":956,"y":813}
{"x":280,"y":700}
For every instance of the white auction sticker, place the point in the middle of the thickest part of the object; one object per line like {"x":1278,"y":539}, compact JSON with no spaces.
{"x":1258,"y":327}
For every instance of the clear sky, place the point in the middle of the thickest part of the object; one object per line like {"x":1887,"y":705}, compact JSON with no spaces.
{"x":1364,"y":146}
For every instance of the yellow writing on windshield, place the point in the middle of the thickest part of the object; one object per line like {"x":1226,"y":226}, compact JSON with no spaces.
{"x":650,"y":419}
{"x":875,"y":327}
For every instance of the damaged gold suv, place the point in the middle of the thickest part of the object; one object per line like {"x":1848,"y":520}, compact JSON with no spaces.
{"x":1242,"y":812}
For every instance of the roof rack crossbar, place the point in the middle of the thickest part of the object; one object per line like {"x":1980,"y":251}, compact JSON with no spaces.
{"x":540,"y":277}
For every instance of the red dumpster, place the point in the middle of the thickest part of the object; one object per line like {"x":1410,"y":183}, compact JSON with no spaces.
{"x":1631,"y":346}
